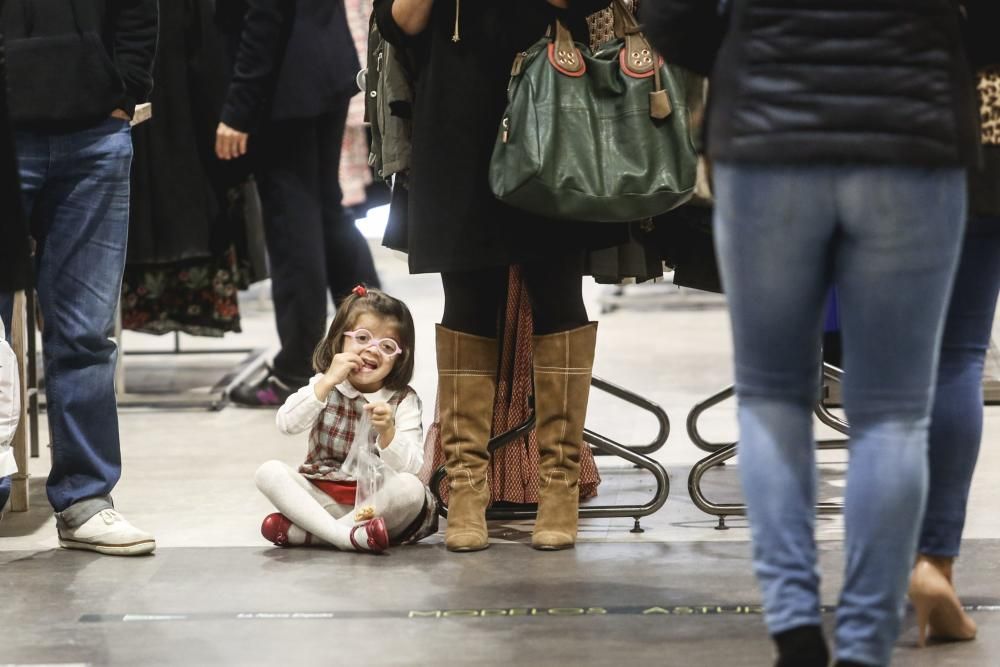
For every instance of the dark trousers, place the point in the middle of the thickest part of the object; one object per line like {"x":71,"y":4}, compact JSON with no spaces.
{"x":312,"y":244}
{"x":473,"y":299}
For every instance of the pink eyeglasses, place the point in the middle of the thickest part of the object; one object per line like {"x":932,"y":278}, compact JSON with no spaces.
{"x":365,"y":338}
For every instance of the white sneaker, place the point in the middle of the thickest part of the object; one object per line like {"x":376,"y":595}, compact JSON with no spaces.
{"x":107,"y":532}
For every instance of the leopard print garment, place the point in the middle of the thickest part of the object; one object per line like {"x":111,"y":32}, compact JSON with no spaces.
{"x":602,"y":24}
{"x":989,"y":96}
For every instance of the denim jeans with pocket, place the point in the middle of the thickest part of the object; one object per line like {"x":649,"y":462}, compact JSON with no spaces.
{"x":75,"y":186}
{"x":889,"y":238}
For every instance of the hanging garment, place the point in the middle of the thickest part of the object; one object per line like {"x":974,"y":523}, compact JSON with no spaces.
{"x":984,"y":183}
{"x":355,"y":174}
{"x":513,"y":472}
{"x":190,"y":235}
{"x":635,"y":261}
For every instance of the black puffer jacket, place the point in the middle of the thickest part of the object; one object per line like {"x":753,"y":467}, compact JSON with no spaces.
{"x":804,"y":81}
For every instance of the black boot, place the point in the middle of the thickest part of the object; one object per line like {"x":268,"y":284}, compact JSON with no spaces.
{"x":802,"y":647}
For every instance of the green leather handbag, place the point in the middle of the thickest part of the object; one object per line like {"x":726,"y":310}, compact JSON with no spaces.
{"x":600,"y":137}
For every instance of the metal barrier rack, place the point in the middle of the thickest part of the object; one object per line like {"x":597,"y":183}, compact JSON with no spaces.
{"x":720,"y":452}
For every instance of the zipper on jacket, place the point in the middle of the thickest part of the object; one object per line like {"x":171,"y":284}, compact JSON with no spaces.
{"x":456,"y":36}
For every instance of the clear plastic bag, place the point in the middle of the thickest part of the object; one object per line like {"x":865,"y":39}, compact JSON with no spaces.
{"x":364,"y":464}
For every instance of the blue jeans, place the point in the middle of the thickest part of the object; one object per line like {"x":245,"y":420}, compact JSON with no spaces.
{"x":957,"y":415}
{"x":889,"y":238}
{"x":76,"y":188}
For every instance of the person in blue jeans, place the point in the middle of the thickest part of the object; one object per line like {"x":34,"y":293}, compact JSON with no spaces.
{"x":74,"y":151}
{"x":840,"y":137}
{"x":957,"y":416}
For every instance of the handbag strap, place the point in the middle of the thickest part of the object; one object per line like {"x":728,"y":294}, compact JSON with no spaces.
{"x":640,"y":59}
{"x":564,"y":54}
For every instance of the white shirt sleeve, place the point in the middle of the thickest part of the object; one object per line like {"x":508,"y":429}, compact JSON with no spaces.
{"x":301,"y":409}
{"x":406,"y":451}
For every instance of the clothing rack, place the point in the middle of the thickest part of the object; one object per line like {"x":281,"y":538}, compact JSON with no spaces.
{"x":217,"y":398}
{"x":601,"y":446}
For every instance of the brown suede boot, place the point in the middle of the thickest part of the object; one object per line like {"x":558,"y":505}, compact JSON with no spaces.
{"x":467,"y":372}
{"x":563,"y":364}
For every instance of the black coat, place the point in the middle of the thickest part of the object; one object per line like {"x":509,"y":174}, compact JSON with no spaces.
{"x":290,"y":59}
{"x":454,"y":222}
{"x":15,"y":265}
{"x":805,"y":81}
{"x":178,"y":189}
{"x":70,"y":63}
{"x":982,"y":32}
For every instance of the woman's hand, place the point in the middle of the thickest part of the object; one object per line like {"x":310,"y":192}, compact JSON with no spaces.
{"x":230,"y":143}
{"x":341,"y":367}
{"x":383,"y":422}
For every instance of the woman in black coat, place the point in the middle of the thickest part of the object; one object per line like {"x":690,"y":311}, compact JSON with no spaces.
{"x":463,"y":53}
{"x":839,"y":134}
{"x":15,"y":263}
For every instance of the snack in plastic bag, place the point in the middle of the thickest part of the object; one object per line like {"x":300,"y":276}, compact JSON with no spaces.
{"x":364,"y":464}
{"x":366,"y":513}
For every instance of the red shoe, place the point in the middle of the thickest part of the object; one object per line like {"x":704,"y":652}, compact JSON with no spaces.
{"x":378,"y":536}
{"x":276,"y":529}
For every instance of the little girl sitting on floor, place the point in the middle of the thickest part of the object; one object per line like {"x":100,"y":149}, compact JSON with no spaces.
{"x":363,"y":365}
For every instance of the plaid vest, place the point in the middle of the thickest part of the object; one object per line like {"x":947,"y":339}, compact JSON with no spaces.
{"x":334,"y":432}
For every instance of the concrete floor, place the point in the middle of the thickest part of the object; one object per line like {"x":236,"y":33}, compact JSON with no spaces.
{"x":216,"y":593}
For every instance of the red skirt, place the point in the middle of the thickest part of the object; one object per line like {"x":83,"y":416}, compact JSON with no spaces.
{"x":342,"y":493}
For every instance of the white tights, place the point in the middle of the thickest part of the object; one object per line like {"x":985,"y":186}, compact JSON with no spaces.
{"x":315,"y":512}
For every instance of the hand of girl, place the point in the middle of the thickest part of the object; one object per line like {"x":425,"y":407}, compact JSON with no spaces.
{"x":341,"y":367}
{"x":383,"y":422}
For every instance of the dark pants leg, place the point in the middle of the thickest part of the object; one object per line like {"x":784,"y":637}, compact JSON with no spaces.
{"x":77,"y":187}
{"x":472,"y":299}
{"x":305,"y":229}
{"x":348,"y":257}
